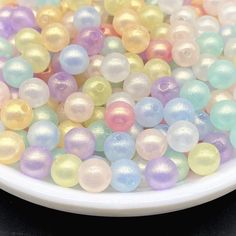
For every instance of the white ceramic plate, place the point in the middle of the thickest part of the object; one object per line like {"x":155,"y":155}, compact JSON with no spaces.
{"x":194,"y":191}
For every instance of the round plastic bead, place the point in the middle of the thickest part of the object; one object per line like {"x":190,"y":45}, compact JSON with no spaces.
{"x":113,"y":6}
{"x":182,"y":75}
{"x":207,"y":24}
{"x":135,"y":61}
{"x":75,"y":4}
{"x":121,"y":97}
{"x":230,"y":48}
{"x":204,"y":159}
{"x":45,"y":113}
{"x":6,"y":48}
{"x":182,"y":136}
{"x":170,"y":6}
{"x":112,"y":44}
{"x":4,"y":93}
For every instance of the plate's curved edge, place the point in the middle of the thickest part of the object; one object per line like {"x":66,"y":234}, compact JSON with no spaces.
{"x":183,"y":196}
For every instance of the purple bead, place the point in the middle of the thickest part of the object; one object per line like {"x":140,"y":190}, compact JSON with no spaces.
{"x":80,"y":142}
{"x":161,"y":173}
{"x":91,"y":39}
{"x":5,"y":12}
{"x":36,"y":162}
{"x":6,"y":30}
{"x":61,"y":85}
{"x":222,"y":143}
{"x":165,"y":89}
{"x":22,"y":17}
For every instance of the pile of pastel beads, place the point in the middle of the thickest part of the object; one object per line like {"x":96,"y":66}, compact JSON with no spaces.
{"x":119,"y":93}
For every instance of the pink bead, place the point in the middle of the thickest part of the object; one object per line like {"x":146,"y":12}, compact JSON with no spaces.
{"x":119,"y":116}
{"x":160,"y":48}
{"x":4,"y":93}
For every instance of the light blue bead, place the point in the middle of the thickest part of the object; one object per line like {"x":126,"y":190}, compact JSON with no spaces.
{"x":112,"y":44}
{"x":74,"y":59}
{"x":119,"y":145}
{"x":43,"y":134}
{"x":16,"y":71}
{"x":203,"y":124}
{"x":178,"y":109}
{"x":58,"y":152}
{"x":222,"y":74}
{"x":87,"y":17}
{"x":6,"y":49}
{"x":197,"y":92}
{"x":148,"y":112}
{"x":183,"y":75}
{"x":126,"y":175}
{"x":211,"y":43}
{"x":23,"y":134}
{"x":45,"y":113}
{"x":223,"y":115}
{"x":101,"y":132}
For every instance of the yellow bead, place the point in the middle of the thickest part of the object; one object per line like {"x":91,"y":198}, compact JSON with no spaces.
{"x":113,"y":6}
{"x":38,"y":56}
{"x":76,"y":4}
{"x":11,"y":147}
{"x":26,"y":36}
{"x":204,"y":159}
{"x":65,"y":170}
{"x":136,"y":4}
{"x":136,"y":38}
{"x":157,"y":68}
{"x":151,"y":16}
{"x":55,"y":37}
{"x":64,"y":127}
{"x":47,"y":15}
{"x":124,"y":18}
{"x":98,"y":88}
{"x":98,"y":114}
{"x":16,"y":114}
{"x":160,"y":31}
{"x":135,"y":61}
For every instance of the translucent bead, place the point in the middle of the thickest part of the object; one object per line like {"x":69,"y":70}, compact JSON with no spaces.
{"x":151,"y":143}
{"x":184,"y":14}
{"x":230,"y":48}
{"x":138,"y":85}
{"x":119,"y":116}
{"x":113,"y":6}
{"x":94,"y":175}
{"x":74,"y":59}
{"x":178,"y":109}
{"x":204,"y":159}
{"x":228,"y":32}
{"x":119,"y":145}
{"x":222,"y":74}
{"x":121,"y":97}
{"x":6,"y":48}
{"x":207,"y":24}
{"x":80,"y":142}
{"x":112,"y":44}
{"x":57,"y":152}
{"x":200,"y":69}
{"x":36,"y":162}
{"x":135,"y":61}
{"x":15,"y":147}
{"x":126,"y":175}
{"x":98,"y":88}
{"x":4,"y":93}
{"x":211,"y":43}
{"x":35,"y":92}
{"x":115,"y":67}
{"x":185,"y":53}
{"x":182,"y":75}
{"x":169,"y":6}
{"x":45,"y":113}
{"x":148,"y":112}
{"x":86,"y":17}
{"x":211,"y":6}
{"x":79,"y":107}
{"x":75,"y":4}
{"x":55,"y":37}
{"x":65,"y":170}
{"x":136,"y":38}
{"x":193,"y":90}
{"x":16,"y":114}
{"x":227,"y":12}
{"x":161,"y":173}
{"x":223,"y":115}
{"x":16,"y":70}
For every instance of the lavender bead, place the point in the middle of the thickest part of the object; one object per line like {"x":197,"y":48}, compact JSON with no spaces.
{"x":61,"y":85}
{"x":5,"y":13}
{"x":80,"y":142}
{"x":6,"y":30}
{"x":222,"y":143}
{"x":165,"y":89}
{"x":36,"y":162}
{"x":91,"y":39}
{"x":161,"y":173}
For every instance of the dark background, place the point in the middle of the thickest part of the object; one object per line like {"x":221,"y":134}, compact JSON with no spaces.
{"x":18,"y":217}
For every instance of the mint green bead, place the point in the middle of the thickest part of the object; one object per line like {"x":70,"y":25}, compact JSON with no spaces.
{"x":23,"y":134}
{"x":222,"y":74}
{"x":180,"y":161}
{"x":6,"y":48}
{"x":101,"y":132}
{"x":211,"y":43}
{"x":45,"y":113}
{"x":58,"y":152}
{"x":197,"y":92}
{"x":16,"y":71}
{"x":223,"y":115}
